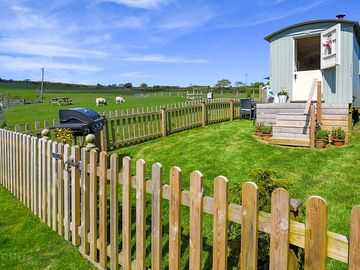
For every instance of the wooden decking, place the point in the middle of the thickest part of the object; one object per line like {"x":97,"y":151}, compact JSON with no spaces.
{"x":292,"y":127}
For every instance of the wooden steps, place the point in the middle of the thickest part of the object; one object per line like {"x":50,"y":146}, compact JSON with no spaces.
{"x":290,"y":141}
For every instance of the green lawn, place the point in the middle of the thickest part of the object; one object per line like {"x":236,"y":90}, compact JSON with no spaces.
{"x":231,"y":149}
{"x":21,"y":114}
{"x":25,"y":243}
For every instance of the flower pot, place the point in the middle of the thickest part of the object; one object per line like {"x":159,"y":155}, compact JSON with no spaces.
{"x":338,"y":142}
{"x":320,"y":143}
{"x":258,"y":133}
{"x":266,"y":137}
{"x":282,"y":99}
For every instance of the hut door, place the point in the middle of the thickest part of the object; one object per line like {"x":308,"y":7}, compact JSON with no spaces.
{"x":307,"y":67}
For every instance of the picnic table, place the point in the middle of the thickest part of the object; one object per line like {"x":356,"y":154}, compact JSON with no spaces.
{"x":61,"y":101}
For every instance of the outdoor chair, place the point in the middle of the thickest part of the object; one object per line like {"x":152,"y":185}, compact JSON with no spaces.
{"x":247,"y":107}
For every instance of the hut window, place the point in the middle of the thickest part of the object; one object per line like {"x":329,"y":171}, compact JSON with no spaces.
{"x":307,"y":53}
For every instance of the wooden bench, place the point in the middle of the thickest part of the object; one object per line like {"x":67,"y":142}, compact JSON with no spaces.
{"x":61,"y":101}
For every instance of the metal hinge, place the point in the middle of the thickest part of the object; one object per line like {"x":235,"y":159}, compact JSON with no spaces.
{"x":71,"y":163}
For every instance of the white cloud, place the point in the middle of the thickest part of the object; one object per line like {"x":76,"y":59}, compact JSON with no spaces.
{"x":146,"y":4}
{"x":24,"y":46}
{"x":133,"y":74}
{"x":163,"y":59}
{"x":21,"y":63}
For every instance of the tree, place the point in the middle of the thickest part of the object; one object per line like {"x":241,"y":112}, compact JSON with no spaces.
{"x":143,"y":85}
{"x":239,"y":83}
{"x":257,"y":84}
{"x":223,"y":83}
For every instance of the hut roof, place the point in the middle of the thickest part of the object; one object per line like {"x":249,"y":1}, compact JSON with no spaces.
{"x":355,"y":24}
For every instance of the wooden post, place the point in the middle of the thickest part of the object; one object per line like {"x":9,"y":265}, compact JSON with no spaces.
{"x":231,"y":110}
{"x":318,"y":104}
{"x":312,"y":126}
{"x":104,"y":137}
{"x":203,"y":114}
{"x":163,"y":121}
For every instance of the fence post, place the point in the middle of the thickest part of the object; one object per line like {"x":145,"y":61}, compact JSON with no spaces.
{"x":163,"y":121}
{"x":231,"y":110}
{"x":203,"y":114}
{"x":312,"y":126}
{"x":104,"y":136}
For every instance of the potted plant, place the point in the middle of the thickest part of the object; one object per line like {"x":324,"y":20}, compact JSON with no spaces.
{"x":266,"y":131}
{"x":259,"y":125}
{"x":338,"y":136}
{"x":321,"y":138}
{"x":283,"y":95}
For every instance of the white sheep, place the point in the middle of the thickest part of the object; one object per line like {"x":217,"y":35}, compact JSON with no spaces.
{"x":101,"y":101}
{"x":119,"y":100}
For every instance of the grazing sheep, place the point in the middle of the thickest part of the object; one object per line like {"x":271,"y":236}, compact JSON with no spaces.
{"x":119,"y":100}
{"x":101,"y":101}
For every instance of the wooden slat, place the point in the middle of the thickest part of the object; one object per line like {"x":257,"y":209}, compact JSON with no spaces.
{"x":316,"y":234}
{"x":293,"y":261}
{"x":114,"y":212}
{"x":174,"y":218}
{"x":140,"y":215}
{"x":75,"y":196}
{"x":279,"y":241}
{"x":103,"y":210}
{"x":93,"y":204}
{"x":60,"y":196}
{"x":156,"y":217}
{"x":49,"y":184}
{"x":54,"y":193}
{"x":220,"y":249}
{"x":67,"y":196}
{"x":85,"y":202}
{"x":354,"y":246}
{"x":249,"y":225}
{"x":43,"y":181}
{"x":126,"y":214}
{"x":334,"y":117}
{"x":196,"y":209}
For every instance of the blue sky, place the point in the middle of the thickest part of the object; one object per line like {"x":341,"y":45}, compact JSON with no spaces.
{"x":159,"y":42}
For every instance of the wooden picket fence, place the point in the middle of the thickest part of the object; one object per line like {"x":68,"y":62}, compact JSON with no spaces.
{"x":133,"y":126}
{"x":76,"y":193}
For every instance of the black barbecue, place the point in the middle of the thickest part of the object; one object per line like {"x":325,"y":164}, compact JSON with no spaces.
{"x":81,"y":121}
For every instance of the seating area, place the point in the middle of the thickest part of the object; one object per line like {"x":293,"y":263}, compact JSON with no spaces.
{"x":247,"y":108}
{"x":61,"y":101}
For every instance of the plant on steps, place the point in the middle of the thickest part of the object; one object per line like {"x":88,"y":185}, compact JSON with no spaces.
{"x":266,"y":131}
{"x":338,"y":136}
{"x":259,"y":126}
{"x":322,"y":137}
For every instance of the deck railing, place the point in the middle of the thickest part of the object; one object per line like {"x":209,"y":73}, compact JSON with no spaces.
{"x":76,"y":193}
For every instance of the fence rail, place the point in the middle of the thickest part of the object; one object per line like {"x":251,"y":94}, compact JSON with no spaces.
{"x":137,"y":125}
{"x":76,"y":193}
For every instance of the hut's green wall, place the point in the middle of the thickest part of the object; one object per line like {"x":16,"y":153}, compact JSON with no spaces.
{"x":337,"y":81}
{"x":356,"y":73}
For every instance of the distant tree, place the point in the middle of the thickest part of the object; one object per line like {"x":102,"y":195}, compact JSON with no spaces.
{"x":223,"y":83}
{"x":143,"y":85}
{"x":239,"y":83}
{"x":257,"y":84}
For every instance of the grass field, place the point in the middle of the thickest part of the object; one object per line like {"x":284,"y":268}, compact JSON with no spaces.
{"x":21,"y":114}
{"x":25,"y":243}
{"x":231,"y":149}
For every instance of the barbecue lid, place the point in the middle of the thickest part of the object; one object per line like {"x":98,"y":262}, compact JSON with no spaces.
{"x":68,"y":113}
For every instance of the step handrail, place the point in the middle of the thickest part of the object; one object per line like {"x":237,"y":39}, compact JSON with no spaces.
{"x":311,"y":94}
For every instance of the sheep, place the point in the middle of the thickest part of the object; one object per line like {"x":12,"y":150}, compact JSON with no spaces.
{"x":101,"y":101}
{"x":119,"y":100}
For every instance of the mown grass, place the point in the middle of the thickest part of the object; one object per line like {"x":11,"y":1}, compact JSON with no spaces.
{"x":25,"y":243}
{"x":231,"y":149}
{"x":21,"y":114}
